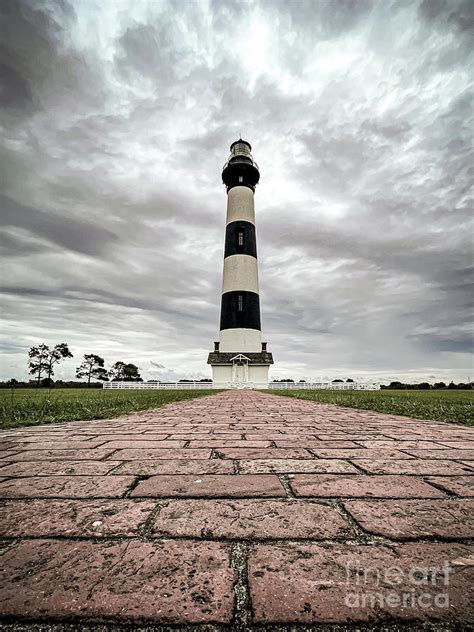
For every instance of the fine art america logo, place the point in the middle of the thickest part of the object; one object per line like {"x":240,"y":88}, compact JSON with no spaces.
{"x":393,"y":587}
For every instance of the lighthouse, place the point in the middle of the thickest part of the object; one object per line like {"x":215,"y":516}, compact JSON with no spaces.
{"x":240,"y":359}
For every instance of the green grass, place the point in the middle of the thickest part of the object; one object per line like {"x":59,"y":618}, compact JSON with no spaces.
{"x":440,"y":405}
{"x":29,"y":406}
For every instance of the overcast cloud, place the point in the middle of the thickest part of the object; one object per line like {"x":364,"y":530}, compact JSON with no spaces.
{"x":117,"y":117}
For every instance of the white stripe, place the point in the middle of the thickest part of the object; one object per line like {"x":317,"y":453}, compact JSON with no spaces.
{"x":240,"y":340}
{"x":240,"y":205}
{"x":240,"y":273}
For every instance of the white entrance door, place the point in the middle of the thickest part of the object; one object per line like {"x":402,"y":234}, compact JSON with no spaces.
{"x":240,"y":373}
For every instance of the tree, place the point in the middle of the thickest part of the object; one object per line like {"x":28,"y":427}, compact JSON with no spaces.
{"x":349,"y":380}
{"x":334,"y":381}
{"x":42,"y":360}
{"x":60,"y":352}
{"x":92,"y":367}
{"x":121,"y":372}
{"x":38,"y":361}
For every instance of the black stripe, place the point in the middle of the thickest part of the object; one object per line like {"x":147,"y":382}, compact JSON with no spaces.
{"x":248,"y":317}
{"x":240,"y":239}
{"x":240,"y":173}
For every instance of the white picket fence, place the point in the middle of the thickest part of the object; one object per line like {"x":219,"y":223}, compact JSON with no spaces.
{"x":331,"y":386}
{"x":180,"y":386}
{"x":327,"y":386}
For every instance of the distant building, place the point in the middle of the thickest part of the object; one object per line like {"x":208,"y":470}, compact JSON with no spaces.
{"x":240,"y":358}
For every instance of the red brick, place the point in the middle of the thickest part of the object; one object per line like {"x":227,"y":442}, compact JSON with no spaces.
{"x":55,"y":468}
{"x":63,"y":455}
{"x":465,"y":455}
{"x":402,"y":445}
{"x":193,"y":466}
{"x":77,"y":437}
{"x":230,"y":419}
{"x":228,"y":443}
{"x":152,"y":453}
{"x":346,"y":437}
{"x":333,"y":485}
{"x":275,"y":436}
{"x":310,"y":583}
{"x":218,"y":486}
{"x":461,"y":445}
{"x":256,"y":519}
{"x":66,"y":487}
{"x":405,"y":436}
{"x":362,"y":453}
{"x":264,"y":453}
{"x":8,"y":446}
{"x":34,"y":444}
{"x":460,"y":485}
{"x":148,"y":445}
{"x":290,"y":466}
{"x":416,"y":466}
{"x":399,"y":519}
{"x":316,"y":444}
{"x":116,"y":436}
{"x":195,"y":435}
{"x":49,"y":518}
{"x":166,"y":582}
{"x":9,"y":455}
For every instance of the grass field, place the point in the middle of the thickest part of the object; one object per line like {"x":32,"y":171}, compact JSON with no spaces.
{"x":440,"y":405}
{"x":29,"y":406}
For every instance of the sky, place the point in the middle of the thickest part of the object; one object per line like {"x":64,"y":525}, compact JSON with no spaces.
{"x":116,"y":119}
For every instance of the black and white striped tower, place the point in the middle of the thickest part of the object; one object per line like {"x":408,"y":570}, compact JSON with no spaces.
{"x":240,"y":358}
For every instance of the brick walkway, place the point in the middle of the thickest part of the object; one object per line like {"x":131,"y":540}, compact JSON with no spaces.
{"x":239,"y":509}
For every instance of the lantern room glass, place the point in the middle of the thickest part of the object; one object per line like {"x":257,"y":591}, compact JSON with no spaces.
{"x":241,"y":149}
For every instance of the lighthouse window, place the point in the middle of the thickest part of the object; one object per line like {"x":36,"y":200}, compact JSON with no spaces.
{"x":241,"y":178}
{"x":240,"y":303}
{"x":241,"y":238}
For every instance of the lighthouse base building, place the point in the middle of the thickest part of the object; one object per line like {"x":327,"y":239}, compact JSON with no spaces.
{"x":240,"y":359}
{"x":238,"y":370}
